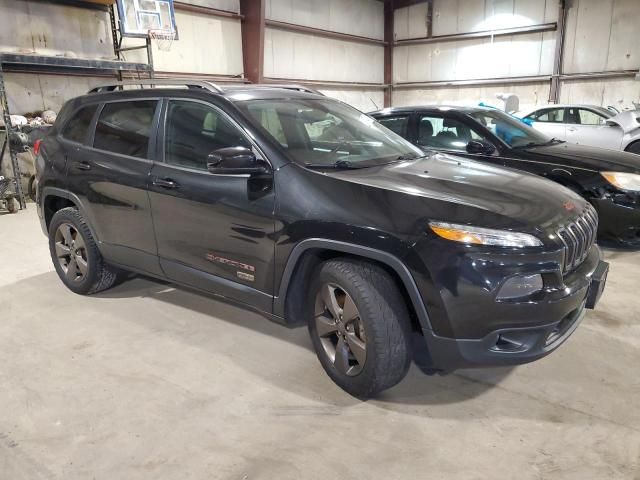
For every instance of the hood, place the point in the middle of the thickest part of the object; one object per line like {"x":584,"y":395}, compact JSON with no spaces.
{"x":506,"y":194}
{"x":581,"y":156}
{"x":628,"y":120}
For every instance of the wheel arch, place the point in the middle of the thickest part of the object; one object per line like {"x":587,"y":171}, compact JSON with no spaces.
{"x":310,"y":253}
{"x":632,"y":143}
{"x":54,"y":199}
{"x":565,"y":178}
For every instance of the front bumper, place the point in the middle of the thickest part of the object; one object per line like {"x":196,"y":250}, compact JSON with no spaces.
{"x":469,"y":327}
{"x":619,"y":220}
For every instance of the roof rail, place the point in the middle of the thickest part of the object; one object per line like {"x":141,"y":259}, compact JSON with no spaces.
{"x":291,"y":86}
{"x":159,"y":82}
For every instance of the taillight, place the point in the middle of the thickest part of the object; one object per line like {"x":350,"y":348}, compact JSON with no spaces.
{"x":36,"y":146}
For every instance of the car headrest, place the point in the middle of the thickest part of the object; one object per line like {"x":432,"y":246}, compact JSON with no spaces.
{"x":426,"y":129}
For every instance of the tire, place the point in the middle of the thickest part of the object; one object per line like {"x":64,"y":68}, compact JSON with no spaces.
{"x":633,"y":148}
{"x":12,"y":205}
{"x":32,"y":188}
{"x":381,"y":325}
{"x":95,"y":275}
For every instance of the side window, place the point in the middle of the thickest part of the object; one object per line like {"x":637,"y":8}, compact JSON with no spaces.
{"x":553,"y":115}
{"x":587,"y":117}
{"x":397,"y":124}
{"x":194,"y":130}
{"x":77,"y":127}
{"x":125,"y":127}
{"x":445,"y":133}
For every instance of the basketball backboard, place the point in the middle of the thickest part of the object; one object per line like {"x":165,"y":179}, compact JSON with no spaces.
{"x":138,"y":17}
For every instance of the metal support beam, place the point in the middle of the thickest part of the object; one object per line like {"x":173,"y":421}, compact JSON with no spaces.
{"x":253,"y":25}
{"x":544,"y":27}
{"x":558,"y":58}
{"x":388,"y":52}
{"x":473,"y":82}
{"x":327,"y":83}
{"x":291,"y":27}
{"x":213,"y":12}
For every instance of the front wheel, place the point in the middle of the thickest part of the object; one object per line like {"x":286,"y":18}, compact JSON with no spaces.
{"x":359,"y":327}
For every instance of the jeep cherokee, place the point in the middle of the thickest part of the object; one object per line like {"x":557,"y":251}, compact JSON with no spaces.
{"x":308,"y":211}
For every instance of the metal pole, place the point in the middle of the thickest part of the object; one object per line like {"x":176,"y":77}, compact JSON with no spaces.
{"x":554,"y":90}
{"x":4,"y":104}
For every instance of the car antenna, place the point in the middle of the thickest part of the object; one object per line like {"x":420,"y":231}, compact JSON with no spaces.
{"x":374,"y":103}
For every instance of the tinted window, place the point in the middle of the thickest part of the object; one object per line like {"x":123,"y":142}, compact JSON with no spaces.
{"x":555,"y":115}
{"x":396,"y":124}
{"x":194,"y":131}
{"x":77,"y":128}
{"x":125,"y":127}
{"x":446,"y":133}
{"x":587,"y":117}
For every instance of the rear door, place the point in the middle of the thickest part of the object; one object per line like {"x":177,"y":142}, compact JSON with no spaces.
{"x":214,"y":232}
{"x":110,"y":175}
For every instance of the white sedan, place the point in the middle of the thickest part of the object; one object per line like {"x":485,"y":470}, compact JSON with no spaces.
{"x":589,"y":125}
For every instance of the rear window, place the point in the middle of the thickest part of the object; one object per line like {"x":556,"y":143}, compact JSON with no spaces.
{"x":125,"y":127}
{"x":76,"y":129}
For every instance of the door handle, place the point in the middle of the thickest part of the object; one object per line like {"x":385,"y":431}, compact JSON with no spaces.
{"x":571,"y":129}
{"x":82,"y":165}
{"x":165,"y":183}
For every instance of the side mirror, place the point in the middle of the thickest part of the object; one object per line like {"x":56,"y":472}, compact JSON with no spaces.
{"x":234,"y":161}
{"x":478,"y":147}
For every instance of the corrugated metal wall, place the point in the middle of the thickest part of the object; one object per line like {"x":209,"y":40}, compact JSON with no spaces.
{"x":293,"y":55}
{"x":207,"y":45}
{"x":601,"y":35}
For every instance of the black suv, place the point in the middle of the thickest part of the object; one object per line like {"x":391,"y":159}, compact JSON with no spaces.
{"x":308,"y":211}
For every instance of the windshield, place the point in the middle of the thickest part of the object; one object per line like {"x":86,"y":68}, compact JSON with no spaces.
{"x":319,"y":132}
{"x":510,"y":130}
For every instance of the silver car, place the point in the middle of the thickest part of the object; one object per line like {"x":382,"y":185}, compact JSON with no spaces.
{"x":589,"y":125}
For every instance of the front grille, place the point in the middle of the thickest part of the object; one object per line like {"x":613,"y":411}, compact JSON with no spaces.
{"x":578,"y":237}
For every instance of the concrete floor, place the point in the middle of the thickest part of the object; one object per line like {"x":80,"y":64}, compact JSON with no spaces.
{"x":149,"y":381}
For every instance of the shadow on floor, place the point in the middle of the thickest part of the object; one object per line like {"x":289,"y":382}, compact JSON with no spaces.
{"x":417,"y":388}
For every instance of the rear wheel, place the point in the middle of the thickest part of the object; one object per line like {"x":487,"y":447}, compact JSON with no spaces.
{"x":359,"y":327}
{"x":75,"y":254}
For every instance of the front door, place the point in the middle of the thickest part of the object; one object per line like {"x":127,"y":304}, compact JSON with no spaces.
{"x":214,"y":232}
{"x":551,"y":121}
{"x":587,"y":127}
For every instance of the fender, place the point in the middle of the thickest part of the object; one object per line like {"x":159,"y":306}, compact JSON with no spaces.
{"x":73,"y":198}
{"x":366,"y":252}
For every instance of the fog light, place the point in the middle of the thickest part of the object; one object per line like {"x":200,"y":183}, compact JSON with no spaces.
{"x":520,"y":286}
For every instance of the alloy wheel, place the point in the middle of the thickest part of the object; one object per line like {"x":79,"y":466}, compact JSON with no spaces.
{"x":340,"y":329}
{"x":71,"y":252}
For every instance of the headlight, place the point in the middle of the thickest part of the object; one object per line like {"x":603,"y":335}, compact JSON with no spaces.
{"x":483,"y":236}
{"x":622,"y":180}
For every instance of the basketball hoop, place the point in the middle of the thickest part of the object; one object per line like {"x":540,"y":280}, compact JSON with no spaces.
{"x":162,"y":38}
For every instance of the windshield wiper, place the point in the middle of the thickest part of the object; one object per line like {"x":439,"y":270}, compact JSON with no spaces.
{"x":338,"y":165}
{"x":410,"y":156}
{"x":540,"y":144}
